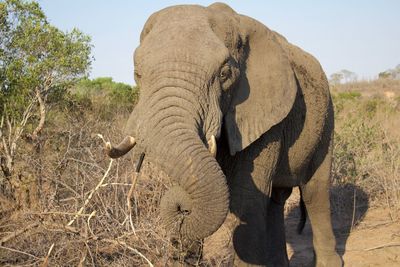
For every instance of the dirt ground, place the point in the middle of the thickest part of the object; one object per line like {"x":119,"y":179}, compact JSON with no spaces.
{"x":374,"y":239}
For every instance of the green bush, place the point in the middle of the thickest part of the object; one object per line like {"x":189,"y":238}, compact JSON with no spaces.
{"x":366,"y":146}
{"x":349,"y":95}
{"x":105,"y":96}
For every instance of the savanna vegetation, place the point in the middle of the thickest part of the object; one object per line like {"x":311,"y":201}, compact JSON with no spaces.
{"x":64,"y":203}
{"x":367,"y":140}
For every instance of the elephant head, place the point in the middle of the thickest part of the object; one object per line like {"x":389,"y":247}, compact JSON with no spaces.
{"x":204,"y":70}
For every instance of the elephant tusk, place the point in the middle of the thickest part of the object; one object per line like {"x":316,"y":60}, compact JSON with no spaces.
{"x":121,"y":149}
{"x":212,"y":146}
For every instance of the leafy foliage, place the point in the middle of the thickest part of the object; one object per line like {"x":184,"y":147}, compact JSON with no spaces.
{"x":390,"y":73}
{"x":36,"y":56}
{"x":116,"y":93}
{"x":37,"y":60}
{"x":105,"y":96}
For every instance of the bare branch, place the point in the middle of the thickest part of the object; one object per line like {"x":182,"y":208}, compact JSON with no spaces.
{"x":1,"y":125}
{"x":46,"y":259}
{"x":91,"y":194}
{"x":42,"y":110}
{"x":18,"y":251}
{"x":88,"y":222}
{"x":128,"y":199}
{"x":5,"y":160}
{"x":122,"y":243}
{"x":17,"y":233}
{"x":9,"y":126}
{"x":135,"y":176}
{"x":14,"y":131}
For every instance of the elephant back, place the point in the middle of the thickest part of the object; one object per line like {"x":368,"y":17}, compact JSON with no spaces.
{"x":311,"y":112}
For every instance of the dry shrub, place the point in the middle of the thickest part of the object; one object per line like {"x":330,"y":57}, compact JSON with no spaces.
{"x":367,"y":147}
{"x":64,"y":167}
{"x":387,"y":88}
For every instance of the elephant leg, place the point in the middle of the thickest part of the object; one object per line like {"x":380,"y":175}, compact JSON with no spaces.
{"x":276,"y":227}
{"x":250,"y":187}
{"x":316,"y":198}
{"x":244,"y":232}
{"x":249,"y":235}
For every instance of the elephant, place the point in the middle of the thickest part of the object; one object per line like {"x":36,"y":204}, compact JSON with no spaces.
{"x":236,"y":116}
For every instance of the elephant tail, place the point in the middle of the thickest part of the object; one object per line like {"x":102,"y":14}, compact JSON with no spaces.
{"x":303,"y":215}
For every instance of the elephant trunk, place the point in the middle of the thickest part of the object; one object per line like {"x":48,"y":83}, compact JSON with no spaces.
{"x":169,"y":128}
{"x":197,"y":204}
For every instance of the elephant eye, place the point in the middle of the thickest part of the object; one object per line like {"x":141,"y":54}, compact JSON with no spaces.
{"x":225,"y":73}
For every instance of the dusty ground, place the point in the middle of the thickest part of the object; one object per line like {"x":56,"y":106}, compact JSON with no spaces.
{"x":373,"y":241}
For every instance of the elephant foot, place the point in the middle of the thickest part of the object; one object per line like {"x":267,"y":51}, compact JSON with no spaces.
{"x":328,"y":260}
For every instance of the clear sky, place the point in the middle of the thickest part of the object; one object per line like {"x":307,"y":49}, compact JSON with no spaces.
{"x":361,"y":36}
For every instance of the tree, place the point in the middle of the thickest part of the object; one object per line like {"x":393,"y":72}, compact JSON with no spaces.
{"x":384,"y":75}
{"x":36,"y":60}
{"x":336,"y":78}
{"x":390,"y":73}
{"x":110,"y":92}
{"x":343,"y":75}
{"x":348,"y":76}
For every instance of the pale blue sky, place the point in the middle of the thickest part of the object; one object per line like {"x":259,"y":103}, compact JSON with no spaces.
{"x":361,"y":36}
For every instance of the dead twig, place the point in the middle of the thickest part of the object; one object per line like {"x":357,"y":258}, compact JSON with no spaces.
{"x":383,"y":246}
{"x":83,"y":258}
{"x":58,"y":213}
{"x":21,"y":252}
{"x":91,"y":194}
{"x":17,"y":233}
{"x":88,"y":222}
{"x":123,"y":184}
{"x":90,"y":254}
{"x":62,"y":228}
{"x":137,"y":252}
{"x":46,"y":260}
{"x":128,"y":200}
{"x":132,"y":189}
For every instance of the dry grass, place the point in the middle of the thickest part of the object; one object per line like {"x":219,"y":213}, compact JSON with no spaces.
{"x":367,"y":142}
{"x":57,"y":175}
{"x":64,"y":179}
{"x":388,"y":88}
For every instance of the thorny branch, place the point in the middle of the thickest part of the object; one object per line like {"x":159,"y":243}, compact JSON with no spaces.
{"x":91,"y":194}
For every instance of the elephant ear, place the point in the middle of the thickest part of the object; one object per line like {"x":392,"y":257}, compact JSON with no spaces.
{"x":266,"y":90}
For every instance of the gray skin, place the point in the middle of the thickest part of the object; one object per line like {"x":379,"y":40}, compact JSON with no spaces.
{"x":208,"y":71}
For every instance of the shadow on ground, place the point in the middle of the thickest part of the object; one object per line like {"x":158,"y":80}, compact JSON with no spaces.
{"x":349,"y":204}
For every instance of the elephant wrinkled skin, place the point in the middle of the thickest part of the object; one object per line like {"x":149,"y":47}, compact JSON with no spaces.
{"x":236,"y":116}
